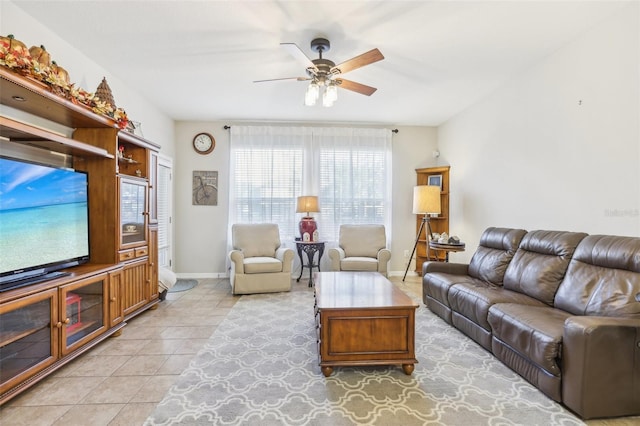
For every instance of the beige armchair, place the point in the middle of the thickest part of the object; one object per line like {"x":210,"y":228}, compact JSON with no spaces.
{"x":258,"y":262}
{"x":361,"y":248}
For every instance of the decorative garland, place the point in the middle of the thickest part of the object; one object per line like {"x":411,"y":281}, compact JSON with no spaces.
{"x":15,"y":56}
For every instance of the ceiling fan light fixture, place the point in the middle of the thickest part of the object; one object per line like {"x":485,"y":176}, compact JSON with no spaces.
{"x":330,"y":95}
{"x":322,"y":72}
{"x":312,"y":94}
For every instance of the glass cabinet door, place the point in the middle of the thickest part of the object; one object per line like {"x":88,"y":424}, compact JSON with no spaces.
{"x":28,"y":337}
{"x":133,"y":211}
{"x":84,"y":310}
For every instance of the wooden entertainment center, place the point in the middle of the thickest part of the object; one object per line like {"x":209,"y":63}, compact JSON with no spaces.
{"x":45,"y":325}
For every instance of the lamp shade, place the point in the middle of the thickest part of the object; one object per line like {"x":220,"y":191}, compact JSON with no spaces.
{"x":426,"y":199}
{"x":307,"y":204}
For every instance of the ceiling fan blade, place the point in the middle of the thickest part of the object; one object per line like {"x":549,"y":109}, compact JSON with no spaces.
{"x":285,"y":78}
{"x":367,"y":58}
{"x":297,"y":53}
{"x":355,"y":87}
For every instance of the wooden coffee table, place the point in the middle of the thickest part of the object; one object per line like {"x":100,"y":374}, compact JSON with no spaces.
{"x":363,"y":319}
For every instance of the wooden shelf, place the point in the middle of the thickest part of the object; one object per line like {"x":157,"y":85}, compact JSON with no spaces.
{"x":137,"y":140}
{"x":127,"y":160}
{"x":8,"y":337}
{"x":31,"y":96}
{"x":26,"y":134}
{"x":80,"y":332}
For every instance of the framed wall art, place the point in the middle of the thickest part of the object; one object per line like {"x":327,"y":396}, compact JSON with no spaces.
{"x":435,"y":180}
{"x":205,"y":188}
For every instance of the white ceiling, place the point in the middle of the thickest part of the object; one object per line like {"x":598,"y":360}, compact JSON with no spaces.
{"x":197,"y":60}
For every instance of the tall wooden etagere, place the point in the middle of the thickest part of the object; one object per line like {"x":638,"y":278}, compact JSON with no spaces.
{"x":439,"y":223}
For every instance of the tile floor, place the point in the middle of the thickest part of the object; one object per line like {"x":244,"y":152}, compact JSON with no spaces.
{"x":120,"y":381}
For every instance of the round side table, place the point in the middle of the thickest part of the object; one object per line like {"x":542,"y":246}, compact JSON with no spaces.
{"x":447,"y":248}
{"x":310,"y":248}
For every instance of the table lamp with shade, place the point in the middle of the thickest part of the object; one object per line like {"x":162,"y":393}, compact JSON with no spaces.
{"x":426,"y":201}
{"x":307,"y":204}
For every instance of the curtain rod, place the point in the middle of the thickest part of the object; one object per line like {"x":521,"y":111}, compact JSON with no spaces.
{"x":227,"y":127}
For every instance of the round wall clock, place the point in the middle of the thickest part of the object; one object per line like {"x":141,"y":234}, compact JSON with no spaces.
{"x":203,"y":143}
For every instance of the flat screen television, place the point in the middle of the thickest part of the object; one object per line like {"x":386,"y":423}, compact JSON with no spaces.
{"x":44,"y":221}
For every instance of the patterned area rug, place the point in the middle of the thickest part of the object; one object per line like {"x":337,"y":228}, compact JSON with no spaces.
{"x":261,"y":368}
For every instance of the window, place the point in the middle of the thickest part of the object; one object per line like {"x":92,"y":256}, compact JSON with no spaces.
{"x":267,"y":182}
{"x":349,"y":169}
{"x":354,"y":178}
{"x":165,"y":167}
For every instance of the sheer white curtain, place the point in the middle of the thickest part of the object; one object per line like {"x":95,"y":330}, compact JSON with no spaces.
{"x":348,"y":168}
{"x":353,"y":178}
{"x":266,"y":173}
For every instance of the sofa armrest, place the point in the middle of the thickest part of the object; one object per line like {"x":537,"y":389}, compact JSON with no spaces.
{"x":601,"y":366}
{"x":383,"y":260}
{"x":237,"y":257}
{"x":336,"y":254}
{"x":285,"y":255}
{"x":445,"y":267}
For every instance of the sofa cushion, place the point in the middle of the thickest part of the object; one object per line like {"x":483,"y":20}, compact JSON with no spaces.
{"x":534,"y":332}
{"x":496,"y":249}
{"x":473,"y":300}
{"x":439,"y":284}
{"x":359,"y":264}
{"x":260,"y":265}
{"x":540,"y":263}
{"x":603,"y":278}
{"x":362,"y":240}
{"x":256,"y":239}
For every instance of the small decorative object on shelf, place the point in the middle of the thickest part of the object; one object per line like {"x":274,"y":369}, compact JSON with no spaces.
{"x":14,"y":53}
{"x":41,"y":56}
{"x":135,"y":127}
{"x":444,"y":238}
{"x":59,"y":75}
{"x":73,"y":311}
{"x":103,"y":92}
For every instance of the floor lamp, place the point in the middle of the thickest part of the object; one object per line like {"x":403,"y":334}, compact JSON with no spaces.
{"x":426,"y":201}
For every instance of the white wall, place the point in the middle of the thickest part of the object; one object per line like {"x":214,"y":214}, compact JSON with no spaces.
{"x":200,"y":238}
{"x":201,"y":231}
{"x":87,"y":74}
{"x":558,"y":146}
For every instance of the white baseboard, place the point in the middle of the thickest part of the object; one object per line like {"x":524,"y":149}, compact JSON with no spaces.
{"x":401,"y":274}
{"x":203,"y":275}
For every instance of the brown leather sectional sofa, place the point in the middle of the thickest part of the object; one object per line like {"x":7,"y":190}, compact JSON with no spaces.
{"x":562,"y":309}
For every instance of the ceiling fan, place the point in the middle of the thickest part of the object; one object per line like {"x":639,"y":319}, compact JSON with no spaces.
{"x":325,"y":73}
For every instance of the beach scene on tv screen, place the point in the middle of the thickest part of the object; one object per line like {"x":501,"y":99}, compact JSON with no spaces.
{"x":43,"y":215}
